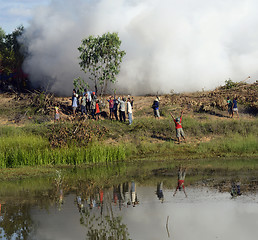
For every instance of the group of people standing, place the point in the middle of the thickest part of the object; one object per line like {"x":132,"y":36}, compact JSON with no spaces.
{"x":123,"y":106}
{"x":90,"y":105}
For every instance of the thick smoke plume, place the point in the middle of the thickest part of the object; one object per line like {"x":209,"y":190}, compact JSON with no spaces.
{"x":171,"y":45}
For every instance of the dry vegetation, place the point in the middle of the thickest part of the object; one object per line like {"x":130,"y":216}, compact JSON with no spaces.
{"x":30,"y":136}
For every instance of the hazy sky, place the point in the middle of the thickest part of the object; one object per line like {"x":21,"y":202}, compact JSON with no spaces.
{"x":171,"y":45}
{"x":17,"y":12}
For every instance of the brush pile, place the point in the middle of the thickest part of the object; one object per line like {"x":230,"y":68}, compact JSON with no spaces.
{"x":41,"y":102}
{"x":208,"y":101}
{"x":78,"y":134}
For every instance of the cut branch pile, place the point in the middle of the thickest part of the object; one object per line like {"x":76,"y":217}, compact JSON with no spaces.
{"x":208,"y":101}
{"x":79,"y":134}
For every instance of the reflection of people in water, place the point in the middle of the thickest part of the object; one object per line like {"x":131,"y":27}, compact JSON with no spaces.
{"x":181,"y":180}
{"x":79,"y":203}
{"x":120,"y":196}
{"x":101,"y":198}
{"x":134,"y":199}
{"x":235,"y":189}
{"x":61,"y":199}
{"x":160,"y":191}
{"x":126,"y":193}
{"x":117,"y":195}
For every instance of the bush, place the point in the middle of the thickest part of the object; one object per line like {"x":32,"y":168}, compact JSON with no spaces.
{"x":230,"y":84}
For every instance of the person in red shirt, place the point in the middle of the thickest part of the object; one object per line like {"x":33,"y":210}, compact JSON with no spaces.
{"x":111,"y":106}
{"x":179,"y":129}
{"x":97,"y":110}
{"x":181,"y":180}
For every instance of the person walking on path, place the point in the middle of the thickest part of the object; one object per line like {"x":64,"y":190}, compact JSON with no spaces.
{"x":179,"y":128}
{"x":155,"y":107}
{"x":235,"y":109}
{"x":181,"y":181}
{"x":129,"y":111}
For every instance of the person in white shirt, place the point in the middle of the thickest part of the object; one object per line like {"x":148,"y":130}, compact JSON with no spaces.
{"x":129,"y":111}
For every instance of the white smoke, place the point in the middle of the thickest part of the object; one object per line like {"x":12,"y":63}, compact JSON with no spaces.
{"x":175,"y":45}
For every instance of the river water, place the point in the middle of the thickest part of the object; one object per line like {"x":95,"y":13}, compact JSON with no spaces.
{"x":129,"y":203}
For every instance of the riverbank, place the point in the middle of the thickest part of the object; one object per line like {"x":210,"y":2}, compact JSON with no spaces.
{"x":29,"y":136}
{"x":147,"y":138}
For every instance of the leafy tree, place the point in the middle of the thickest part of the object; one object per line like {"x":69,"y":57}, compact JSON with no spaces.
{"x":12,"y":55}
{"x":2,"y":48}
{"x":101,"y":57}
{"x":80,"y":85}
{"x":230,"y":84}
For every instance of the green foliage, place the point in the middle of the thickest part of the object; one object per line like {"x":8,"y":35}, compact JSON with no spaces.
{"x":80,"y":84}
{"x":101,"y":57}
{"x":23,"y":148}
{"x":12,"y":54}
{"x":230,"y":84}
{"x":232,"y":145}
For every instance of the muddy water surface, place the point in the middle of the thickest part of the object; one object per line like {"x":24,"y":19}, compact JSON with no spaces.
{"x":131,"y":202}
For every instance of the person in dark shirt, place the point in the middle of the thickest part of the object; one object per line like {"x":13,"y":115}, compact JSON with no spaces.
{"x":155,"y":107}
{"x":235,"y":109}
{"x":159,"y":192}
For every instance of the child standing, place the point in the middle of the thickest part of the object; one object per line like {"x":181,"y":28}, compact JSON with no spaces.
{"x":179,"y":129}
{"x":57,"y":114}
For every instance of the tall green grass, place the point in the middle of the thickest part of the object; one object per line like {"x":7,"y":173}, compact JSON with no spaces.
{"x":231,"y":145}
{"x":16,"y":156}
{"x":31,"y":150}
{"x":146,"y":138}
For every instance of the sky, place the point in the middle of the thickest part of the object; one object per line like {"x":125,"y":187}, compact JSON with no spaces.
{"x":14,"y":13}
{"x":171,"y":45}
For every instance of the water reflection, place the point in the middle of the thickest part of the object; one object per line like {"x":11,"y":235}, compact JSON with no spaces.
{"x":181,"y":180}
{"x":16,"y":222}
{"x":235,"y":189}
{"x":159,"y":191}
{"x":78,"y":205}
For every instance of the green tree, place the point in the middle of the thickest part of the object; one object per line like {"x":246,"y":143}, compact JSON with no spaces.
{"x":12,"y":55}
{"x":2,"y":48}
{"x":101,"y":57}
{"x":230,"y":84}
{"x":80,"y":85}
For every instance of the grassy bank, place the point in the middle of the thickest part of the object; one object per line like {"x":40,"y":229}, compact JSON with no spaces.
{"x":147,"y":138}
{"x":35,"y":151}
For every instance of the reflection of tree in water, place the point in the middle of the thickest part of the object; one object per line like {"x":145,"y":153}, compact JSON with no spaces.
{"x":15,"y":216}
{"x":16,"y":221}
{"x":106,"y":228}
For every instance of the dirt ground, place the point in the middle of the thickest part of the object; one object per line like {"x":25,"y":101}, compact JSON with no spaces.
{"x":211,"y":104}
